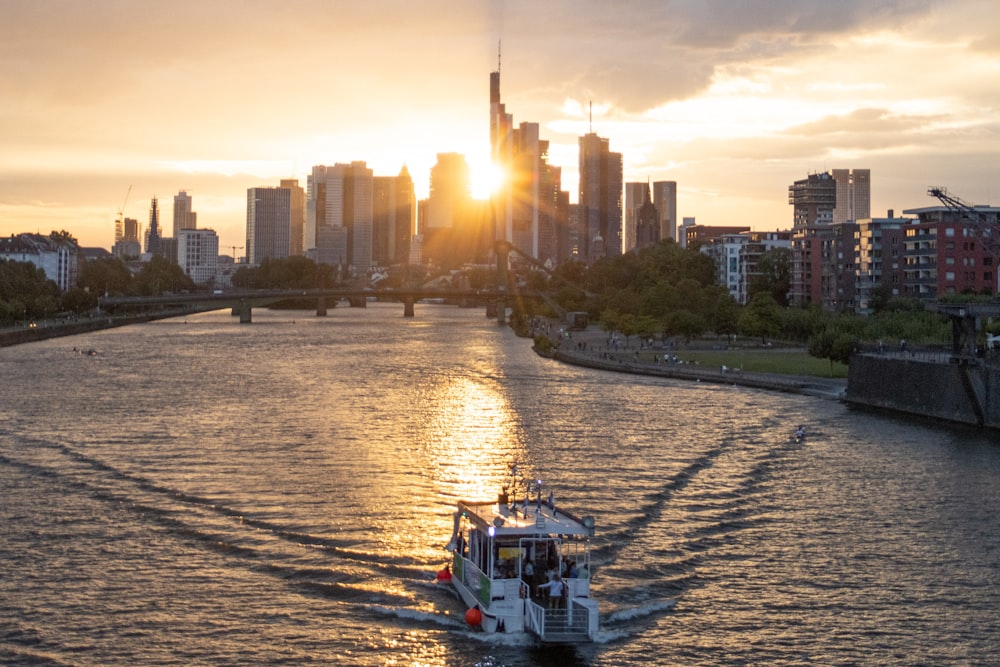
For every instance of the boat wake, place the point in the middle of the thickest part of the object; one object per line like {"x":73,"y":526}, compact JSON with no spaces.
{"x":442,"y":619}
{"x":623,"y":615}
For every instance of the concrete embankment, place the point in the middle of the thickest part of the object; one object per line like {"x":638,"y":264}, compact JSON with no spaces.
{"x":832,"y":388}
{"x":18,"y":335}
{"x":962,"y":391}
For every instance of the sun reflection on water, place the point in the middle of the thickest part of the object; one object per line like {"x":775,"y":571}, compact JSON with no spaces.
{"x":474,"y":436}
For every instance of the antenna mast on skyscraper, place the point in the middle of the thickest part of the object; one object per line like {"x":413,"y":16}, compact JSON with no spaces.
{"x":591,"y":116}
{"x":499,"y":51}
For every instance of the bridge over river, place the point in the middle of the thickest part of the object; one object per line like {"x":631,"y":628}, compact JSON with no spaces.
{"x":242,"y":303}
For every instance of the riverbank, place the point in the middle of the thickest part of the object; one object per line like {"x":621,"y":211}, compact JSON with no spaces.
{"x":38,"y":331}
{"x":588,"y":348}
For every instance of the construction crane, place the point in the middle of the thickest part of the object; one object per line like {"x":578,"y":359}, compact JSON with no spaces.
{"x":120,"y":222}
{"x":236,"y":260}
{"x":985,"y":227}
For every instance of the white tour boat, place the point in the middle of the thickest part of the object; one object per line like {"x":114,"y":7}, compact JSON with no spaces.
{"x":510,"y":554}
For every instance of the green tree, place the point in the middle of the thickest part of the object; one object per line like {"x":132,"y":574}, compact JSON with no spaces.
{"x":78,"y":300}
{"x":25,"y":292}
{"x":832,"y":344}
{"x":107,"y":275}
{"x":725,"y":316}
{"x":628,"y":324}
{"x":646,"y":326}
{"x":610,"y":320}
{"x":774,"y":275}
{"x":761,"y":317}
{"x":685,"y":324}
{"x":160,"y":275}
{"x":800,"y":324}
{"x":296,"y":272}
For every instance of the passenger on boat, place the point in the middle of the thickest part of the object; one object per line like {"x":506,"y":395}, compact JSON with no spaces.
{"x":555,"y":587}
{"x":528,"y":574}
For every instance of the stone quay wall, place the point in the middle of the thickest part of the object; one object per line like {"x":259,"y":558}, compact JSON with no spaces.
{"x":965,"y":392}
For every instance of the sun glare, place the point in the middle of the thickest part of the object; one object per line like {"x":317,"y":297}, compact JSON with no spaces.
{"x":485,"y":178}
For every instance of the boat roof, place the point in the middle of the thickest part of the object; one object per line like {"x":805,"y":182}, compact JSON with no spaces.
{"x":525,"y":519}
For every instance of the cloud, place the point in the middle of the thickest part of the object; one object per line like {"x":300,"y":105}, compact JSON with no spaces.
{"x":643,"y":53}
{"x":113,"y":92}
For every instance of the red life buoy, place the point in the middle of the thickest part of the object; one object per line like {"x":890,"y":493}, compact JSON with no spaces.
{"x":473,"y":617}
{"x":444,"y":575}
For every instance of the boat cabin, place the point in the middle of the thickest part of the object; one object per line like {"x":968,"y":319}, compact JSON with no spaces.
{"x":506,"y":556}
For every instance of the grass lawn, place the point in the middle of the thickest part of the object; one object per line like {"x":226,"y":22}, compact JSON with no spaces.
{"x":788,"y":361}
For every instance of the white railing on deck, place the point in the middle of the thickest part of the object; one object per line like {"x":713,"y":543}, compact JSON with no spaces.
{"x":590,"y":608}
{"x":505,"y":589}
{"x":534,"y":617}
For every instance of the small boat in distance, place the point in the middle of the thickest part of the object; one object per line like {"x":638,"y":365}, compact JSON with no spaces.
{"x":523,"y":565}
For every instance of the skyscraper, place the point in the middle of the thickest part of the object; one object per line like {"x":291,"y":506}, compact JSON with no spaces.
{"x":502,"y":155}
{"x":813,"y":200}
{"x":449,"y":194}
{"x":528,"y":207}
{"x":394,"y":211}
{"x":454,"y":229}
{"x":315,"y":208}
{"x":636,"y":195}
{"x":298,"y":202}
{"x":184,"y":217}
{"x":665,"y":201}
{"x":853,"y":194}
{"x":647,"y":225}
{"x":600,"y":201}
{"x":341,"y":197}
{"x":269,"y":215}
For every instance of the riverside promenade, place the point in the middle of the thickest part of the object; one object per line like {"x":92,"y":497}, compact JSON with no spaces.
{"x":588,"y":348}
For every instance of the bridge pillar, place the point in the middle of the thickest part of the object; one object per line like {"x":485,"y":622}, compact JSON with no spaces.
{"x":408,"y":307}
{"x":501,"y":311}
{"x":245,"y":312}
{"x":321,"y":307}
{"x":491,"y":308}
{"x":357,"y":301}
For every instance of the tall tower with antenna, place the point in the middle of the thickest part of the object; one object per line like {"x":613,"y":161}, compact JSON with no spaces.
{"x":502,"y":156}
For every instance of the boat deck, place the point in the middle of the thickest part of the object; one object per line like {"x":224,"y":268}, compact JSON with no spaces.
{"x":531,"y":517}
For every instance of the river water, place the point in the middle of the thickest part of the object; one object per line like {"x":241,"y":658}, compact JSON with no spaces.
{"x":200,"y":492}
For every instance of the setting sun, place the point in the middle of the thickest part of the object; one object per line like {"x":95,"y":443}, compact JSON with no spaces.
{"x":485,"y":178}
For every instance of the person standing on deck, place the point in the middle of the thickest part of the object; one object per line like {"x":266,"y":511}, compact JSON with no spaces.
{"x":555,"y":592}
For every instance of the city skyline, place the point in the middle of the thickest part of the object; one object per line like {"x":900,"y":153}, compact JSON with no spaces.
{"x":733,"y":102}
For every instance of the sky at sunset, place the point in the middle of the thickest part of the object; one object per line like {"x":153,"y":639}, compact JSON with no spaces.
{"x":733,"y":99}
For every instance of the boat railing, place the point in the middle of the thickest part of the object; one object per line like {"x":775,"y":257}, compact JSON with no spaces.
{"x":473,"y":578}
{"x":534,"y":617}
{"x":576,"y":621}
{"x":507,"y":589}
